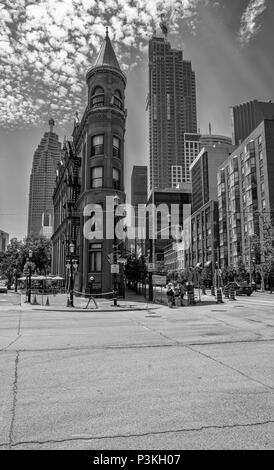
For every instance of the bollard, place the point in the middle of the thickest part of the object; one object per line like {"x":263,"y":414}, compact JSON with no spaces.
{"x":191,"y":298}
{"x":219,"y":297}
{"x":212,"y":290}
{"x":226,"y":292}
{"x":47,"y":301}
{"x":232,"y":293}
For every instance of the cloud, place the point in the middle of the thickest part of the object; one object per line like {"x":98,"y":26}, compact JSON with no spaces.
{"x":249,"y":20}
{"x":47,"y":46}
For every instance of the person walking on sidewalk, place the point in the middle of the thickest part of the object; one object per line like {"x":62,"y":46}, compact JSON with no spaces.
{"x":183,"y":291}
{"x":177,"y":294}
{"x":170,"y":295}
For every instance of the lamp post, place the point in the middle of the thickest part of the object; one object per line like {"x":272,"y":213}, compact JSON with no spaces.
{"x":29,"y":290}
{"x":71,"y":286}
{"x":116,"y":201}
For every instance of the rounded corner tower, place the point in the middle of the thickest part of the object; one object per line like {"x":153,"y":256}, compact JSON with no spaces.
{"x":99,"y":140}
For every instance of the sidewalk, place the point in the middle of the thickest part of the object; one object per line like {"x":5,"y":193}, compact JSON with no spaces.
{"x":59,"y":303}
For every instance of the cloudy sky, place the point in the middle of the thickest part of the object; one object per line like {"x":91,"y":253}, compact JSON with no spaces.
{"x":46,"y":47}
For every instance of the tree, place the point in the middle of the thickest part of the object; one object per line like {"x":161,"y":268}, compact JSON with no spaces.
{"x":41,"y":253}
{"x":262,"y":248}
{"x":13,"y":261}
{"x":135,"y":269}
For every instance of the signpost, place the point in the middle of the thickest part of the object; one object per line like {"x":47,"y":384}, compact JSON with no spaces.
{"x":150,"y":267}
{"x":114,"y":269}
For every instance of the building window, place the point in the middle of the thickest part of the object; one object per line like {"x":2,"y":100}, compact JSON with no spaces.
{"x":116,"y":144}
{"x":97,"y":177}
{"x":261,"y":155}
{"x":97,"y":98}
{"x":95,"y":257}
{"x":97,"y":145}
{"x":117,"y":99}
{"x":116,"y":178}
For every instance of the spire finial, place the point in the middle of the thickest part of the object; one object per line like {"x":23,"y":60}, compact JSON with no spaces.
{"x":51,"y":124}
{"x":106,"y":31}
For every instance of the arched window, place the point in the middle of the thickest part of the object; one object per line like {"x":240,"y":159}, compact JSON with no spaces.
{"x":97,"y":97}
{"x":117,"y":99}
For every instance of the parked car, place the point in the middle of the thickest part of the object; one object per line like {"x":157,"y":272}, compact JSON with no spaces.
{"x":241,"y":288}
{"x":3,"y":288}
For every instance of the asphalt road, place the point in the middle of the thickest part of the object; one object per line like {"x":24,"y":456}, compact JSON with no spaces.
{"x":198,"y":377}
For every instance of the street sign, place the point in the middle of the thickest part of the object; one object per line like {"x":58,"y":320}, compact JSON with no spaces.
{"x":114,"y":269}
{"x":110,"y":257}
{"x":159,"y":280}
{"x":150,"y":267}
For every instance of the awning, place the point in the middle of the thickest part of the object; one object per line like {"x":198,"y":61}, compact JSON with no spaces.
{"x":199,"y":265}
{"x":208,"y":263}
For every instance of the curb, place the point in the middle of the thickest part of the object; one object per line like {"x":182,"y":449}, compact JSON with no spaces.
{"x":126,"y":309}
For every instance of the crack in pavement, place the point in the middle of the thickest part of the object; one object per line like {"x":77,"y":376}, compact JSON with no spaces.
{"x":230,"y":367}
{"x":143,"y":434}
{"x":139,"y":346}
{"x":18,"y":333}
{"x":14,"y":400}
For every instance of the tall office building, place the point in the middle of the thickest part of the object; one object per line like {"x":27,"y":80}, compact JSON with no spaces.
{"x":247,"y":116}
{"x":138,"y":202}
{"x":42,"y":184}
{"x":138,"y":187}
{"x":205,"y":217}
{"x":172,"y":113}
{"x":4,"y":240}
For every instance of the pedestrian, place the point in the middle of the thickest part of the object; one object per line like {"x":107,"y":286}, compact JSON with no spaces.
{"x":176,"y":294}
{"x":183,"y":291}
{"x":170,"y":295}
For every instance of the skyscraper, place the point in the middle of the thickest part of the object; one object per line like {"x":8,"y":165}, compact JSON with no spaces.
{"x":172,"y":112}
{"x":247,"y":116}
{"x":42,"y":184}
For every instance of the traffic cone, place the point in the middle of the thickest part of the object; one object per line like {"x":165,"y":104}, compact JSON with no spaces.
{"x":232,"y":293}
{"x":219,"y":297}
{"x":35,"y":300}
{"x":47,"y":302}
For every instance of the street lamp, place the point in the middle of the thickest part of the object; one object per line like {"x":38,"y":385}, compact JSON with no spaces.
{"x":116,"y":202}
{"x":29,"y":291}
{"x":71,"y":286}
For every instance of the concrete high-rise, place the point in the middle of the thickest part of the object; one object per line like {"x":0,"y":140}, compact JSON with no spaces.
{"x":172,"y":113}
{"x":138,"y":202}
{"x":246,"y":196}
{"x":204,"y":220}
{"x":4,"y":240}
{"x":42,"y":184}
{"x":138,"y":187}
{"x":247,"y":116}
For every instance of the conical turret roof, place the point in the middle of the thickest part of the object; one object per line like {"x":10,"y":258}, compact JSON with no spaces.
{"x":106,"y":54}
